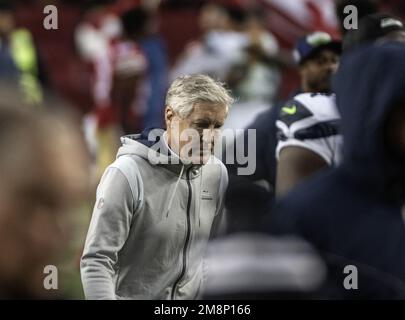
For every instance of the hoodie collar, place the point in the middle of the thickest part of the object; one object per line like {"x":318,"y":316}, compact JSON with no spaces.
{"x":152,"y":146}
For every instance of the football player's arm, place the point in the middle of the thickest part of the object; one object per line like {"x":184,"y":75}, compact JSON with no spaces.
{"x":301,"y":148}
{"x":294,"y":165}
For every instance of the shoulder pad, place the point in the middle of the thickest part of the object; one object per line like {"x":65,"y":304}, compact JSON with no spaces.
{"x":293,"y":111}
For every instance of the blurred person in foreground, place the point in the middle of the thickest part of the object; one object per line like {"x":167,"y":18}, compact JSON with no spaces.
{"x":248,"y":264}
{"x":254,"y":78}
{"x":43,"y":177}
{"x":378,"y":27}
{"x":354,"y":213}
{"x":158,"y":203}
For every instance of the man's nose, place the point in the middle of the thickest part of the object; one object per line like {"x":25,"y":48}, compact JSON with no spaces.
{"x":208,"y":135}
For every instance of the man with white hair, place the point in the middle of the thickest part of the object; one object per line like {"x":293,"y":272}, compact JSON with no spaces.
{"x":160,"y":201}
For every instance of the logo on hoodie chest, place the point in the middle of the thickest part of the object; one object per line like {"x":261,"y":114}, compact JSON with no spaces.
{"x":206,"y":195}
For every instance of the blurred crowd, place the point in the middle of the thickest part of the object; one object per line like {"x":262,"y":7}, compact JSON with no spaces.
{"x":328,"y":187}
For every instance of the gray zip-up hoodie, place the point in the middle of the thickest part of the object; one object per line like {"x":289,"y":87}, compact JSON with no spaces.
{"x":151,"y":223}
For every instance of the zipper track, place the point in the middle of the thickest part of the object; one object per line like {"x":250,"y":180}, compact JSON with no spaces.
{"x":188,"y":234}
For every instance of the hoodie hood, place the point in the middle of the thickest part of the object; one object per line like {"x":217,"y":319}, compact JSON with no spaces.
{"x":151,"y":146}
{"x":368,"y":82}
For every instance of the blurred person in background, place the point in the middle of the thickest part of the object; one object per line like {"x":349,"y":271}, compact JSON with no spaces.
{"x":157,"y":205}
{"x":256,"y":79}
{"x":309,"y":135}
{"x":43,"y":178}
{"x":129,"y":67}
{"x":221,"y":43}
{"x":308,"y":125}
{"x":264,"y":177}
{"x":353,"y":213}
{"x":19,"y":59}
{"x":110,"y":44}
{"x":155,"y":51}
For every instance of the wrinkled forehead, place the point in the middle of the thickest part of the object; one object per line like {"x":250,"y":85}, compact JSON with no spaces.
{"x":323,"y":54}
{"x":326,"y":53}
{"x":210,"y":111}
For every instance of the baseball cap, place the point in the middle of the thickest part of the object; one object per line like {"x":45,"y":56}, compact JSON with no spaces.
{"x":312,"y":44}
{"x":371,"y":28}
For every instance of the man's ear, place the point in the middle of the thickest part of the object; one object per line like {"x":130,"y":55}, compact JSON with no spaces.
{"x":169,"y":114}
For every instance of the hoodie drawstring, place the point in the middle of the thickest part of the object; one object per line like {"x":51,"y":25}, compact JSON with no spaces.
{"x":199,"y":202}
{"x":174,"y":191}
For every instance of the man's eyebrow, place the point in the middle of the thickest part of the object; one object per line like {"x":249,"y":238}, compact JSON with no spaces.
{"x":206,"y":121}
{"x":203,"y":121}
